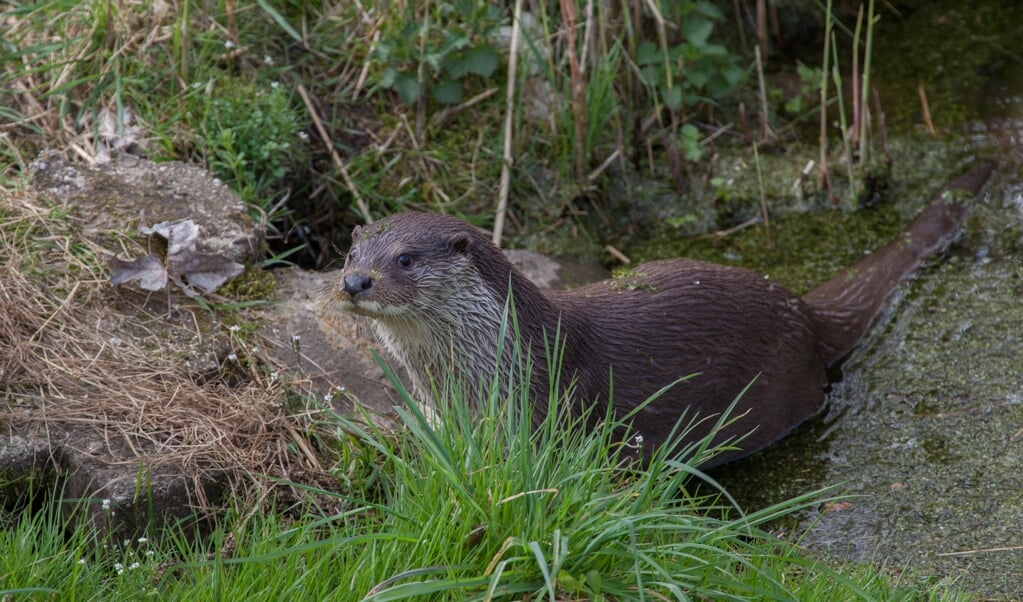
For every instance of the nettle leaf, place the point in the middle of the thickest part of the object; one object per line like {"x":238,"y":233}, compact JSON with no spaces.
{"x":709,"y":10}
{"x":407,"y":87}
{"x":672,"y":97}
{"x":697,"y":30}
{"x":148,"y":270}
{"x":447,"y":91}
{"x":647,"y":53}
{"x":481,"y":60}
{"x":387,"y":77}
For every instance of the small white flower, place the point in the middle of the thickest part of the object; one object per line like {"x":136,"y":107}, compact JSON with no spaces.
{"x":295,"y":338}
{"x":268,"y":60}
{"x":234,"y":328}
{"x":638,"y":439}
{"x":142,"y":539}
{"x":106,"y":505}
{"x":273,"y":376}
{"x":303,"y":135}
{"x":232,"y":357}
{"x":255,"y":350}
{"x":81,"y":561}
{"x":326,"y":397}
{"x":119,"y":568}
{"x":229,"y":44}
{"x":134,"y":566}
{"x":275,"y":84}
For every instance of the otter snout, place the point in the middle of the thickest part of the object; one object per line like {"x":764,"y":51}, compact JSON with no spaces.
{"x":353,"y":284}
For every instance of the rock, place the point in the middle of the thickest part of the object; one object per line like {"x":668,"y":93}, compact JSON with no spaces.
{"x":131,"y":192}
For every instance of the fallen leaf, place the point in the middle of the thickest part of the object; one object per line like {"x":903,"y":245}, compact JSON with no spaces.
{"x":181,"y":235}
{"x":148,"y":270}
{"x":186,"y":267}
{"x":204,"y":270}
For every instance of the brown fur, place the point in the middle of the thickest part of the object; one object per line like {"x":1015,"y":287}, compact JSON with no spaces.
{"x":440,"y":315}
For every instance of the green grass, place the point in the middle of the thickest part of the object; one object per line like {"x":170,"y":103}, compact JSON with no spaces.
{"x":461,"y":508}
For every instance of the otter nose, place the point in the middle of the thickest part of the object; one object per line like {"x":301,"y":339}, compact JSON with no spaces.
{"x":356,"y":283}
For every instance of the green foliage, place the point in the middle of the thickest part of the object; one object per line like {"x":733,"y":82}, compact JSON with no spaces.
{"x":806,"y":96}
{"x":252,"y":136}
{"x":694,"y":69}
{"x":438,"y":50}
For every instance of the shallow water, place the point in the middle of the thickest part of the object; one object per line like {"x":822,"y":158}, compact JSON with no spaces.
{"x":924,"y":431}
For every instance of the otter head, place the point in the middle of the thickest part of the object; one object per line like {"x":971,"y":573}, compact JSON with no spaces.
{"x":423,"y":278}
{"x":406,"y":266}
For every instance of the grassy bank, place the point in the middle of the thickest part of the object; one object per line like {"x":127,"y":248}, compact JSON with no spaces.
{"x":460,"y":509}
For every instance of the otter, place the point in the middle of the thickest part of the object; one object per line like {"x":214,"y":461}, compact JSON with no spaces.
{"x":437,"y":290}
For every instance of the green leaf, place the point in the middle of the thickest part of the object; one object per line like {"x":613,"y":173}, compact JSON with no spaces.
{"x":387,"y":77}
{"x":279,"y":19}
{"x":672,"y":97}
{"x":447,"y":92}
{"x":690,"y":138}
{"x":709,"y":10}
{"x":481,"y":60}
{"x":698,"y":78}
{"x":647,"y":53}
{"x":407,"y":86}
{"x":733,"y":74}
{"x":697,"y":30}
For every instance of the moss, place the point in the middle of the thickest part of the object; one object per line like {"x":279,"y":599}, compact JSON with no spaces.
{"x":631,"y":280}
{"x":254,"y":284}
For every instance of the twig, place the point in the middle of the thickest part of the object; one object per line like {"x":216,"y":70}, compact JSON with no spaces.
{"x":765,"y":128}
{"x":761,"y":47}
{"x":359,"y":202}
{"x":730,"y":231}
{"x":926,"y":109}
{"x":980,"y":551}
{"x":441,"y":117}
{"x":570,"y":20}
{"x":607,"y":163}
{"x":763,"y":195}
{"x":509,"y":121}
{"x":825,"y":175}
{"x":882,"y":131}
{"x":622,"y":257}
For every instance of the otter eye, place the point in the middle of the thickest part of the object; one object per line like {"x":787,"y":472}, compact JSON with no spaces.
{"x":404,"y":260}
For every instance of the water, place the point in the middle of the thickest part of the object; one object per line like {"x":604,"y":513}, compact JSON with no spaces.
{"x":925,"y":429}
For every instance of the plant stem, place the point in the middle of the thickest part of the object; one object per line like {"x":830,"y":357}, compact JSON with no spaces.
{"x":509,"y":120}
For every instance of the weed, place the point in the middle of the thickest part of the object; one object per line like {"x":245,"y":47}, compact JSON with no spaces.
{"x":254,"y":138}
{"x":434,"y":50}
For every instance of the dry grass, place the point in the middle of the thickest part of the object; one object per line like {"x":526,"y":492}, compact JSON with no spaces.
{"x":77,"y":354}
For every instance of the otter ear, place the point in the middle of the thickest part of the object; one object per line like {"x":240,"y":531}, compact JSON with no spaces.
{"x":460,"y":243}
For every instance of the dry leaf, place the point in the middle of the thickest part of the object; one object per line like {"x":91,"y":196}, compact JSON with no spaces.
{"x":185,"y":266}
{"x":148,"y":270}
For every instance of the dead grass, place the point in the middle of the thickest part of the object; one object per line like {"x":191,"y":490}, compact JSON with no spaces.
{"x":77,"y":354}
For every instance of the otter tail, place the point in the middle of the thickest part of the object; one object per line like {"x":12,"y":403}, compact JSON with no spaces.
{"x":847,"y":305}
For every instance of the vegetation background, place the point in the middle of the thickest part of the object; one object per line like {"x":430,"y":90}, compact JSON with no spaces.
{"x":570,"y":127}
